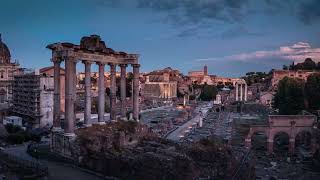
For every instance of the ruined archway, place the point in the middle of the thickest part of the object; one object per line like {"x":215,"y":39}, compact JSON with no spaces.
{"x":259,"y":141}
{"x":303,"y":141}
{"x":282,"y":131}
{"x":281,"y":141}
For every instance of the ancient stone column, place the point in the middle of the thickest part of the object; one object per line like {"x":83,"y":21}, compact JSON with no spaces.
{"x":291,"y":146}
{"x":237,"y":92}
{"x":101,"y":94}
{"x":136,"y":91}
{"x":245,"y":92}
{"x":241,"y":92}
{"x":74,"y":82}
{"x":56,"y":100}
{"x":113,"y":90}
{"x":270,"y":146}
{"x":87,"y":110}
{"x":69,"y":97}
{"x":123,"y":90}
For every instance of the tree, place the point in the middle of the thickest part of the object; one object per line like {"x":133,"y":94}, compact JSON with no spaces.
{"x":208,"y":93}
{"x":255,"y":77}
{"x":312,"y":91}
{"x":308,"y":64}
{"x":289,"y":98}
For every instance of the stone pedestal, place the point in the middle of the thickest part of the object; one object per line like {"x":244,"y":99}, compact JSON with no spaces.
{"x":56,"y":140}
{"x":270,"y":147}
{"x":248,"y":143}
{"x":291,"y":146}
{"x":61,"y":143}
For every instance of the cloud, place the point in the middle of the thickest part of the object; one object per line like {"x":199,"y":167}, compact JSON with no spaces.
{"x":238,"y":31}
{"x":307,"y":11}
{"x":297,"y":52}
{"x":186,"y":12}
{"x":192,"y":16}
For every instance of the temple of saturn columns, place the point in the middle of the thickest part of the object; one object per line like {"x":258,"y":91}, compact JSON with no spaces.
{"x":91,"y":51}
{"x":241,"y":90}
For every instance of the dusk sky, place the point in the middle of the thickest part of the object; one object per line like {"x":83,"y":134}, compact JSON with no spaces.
{"x":232,"y":37}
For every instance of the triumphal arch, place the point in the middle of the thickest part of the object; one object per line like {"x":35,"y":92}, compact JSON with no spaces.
{"x":291,"y":125}
{"x":92,"y":50}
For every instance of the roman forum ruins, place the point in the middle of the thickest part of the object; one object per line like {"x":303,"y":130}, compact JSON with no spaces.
{"x":92,"y":50}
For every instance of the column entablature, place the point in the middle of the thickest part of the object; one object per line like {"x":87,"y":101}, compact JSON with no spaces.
{"x":112,"y":65}
{"x":56,"y":60}
{"x":96,"y":57}
{"x":87,"y":62}
{"x":135,"y":65}
{"x":123,"y":65}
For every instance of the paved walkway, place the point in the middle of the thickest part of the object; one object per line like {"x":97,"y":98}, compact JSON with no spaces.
{"x":222,"y":127}
{"x":178,"y":133}
{"x":57,"y":171}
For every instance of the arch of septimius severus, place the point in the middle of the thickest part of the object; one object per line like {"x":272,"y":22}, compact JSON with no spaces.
{"x":92,"y":50}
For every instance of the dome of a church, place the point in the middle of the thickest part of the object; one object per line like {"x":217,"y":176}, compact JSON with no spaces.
{"x":4,"y":53}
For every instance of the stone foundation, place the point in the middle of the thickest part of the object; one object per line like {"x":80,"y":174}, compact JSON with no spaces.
{"x":61,"y":143}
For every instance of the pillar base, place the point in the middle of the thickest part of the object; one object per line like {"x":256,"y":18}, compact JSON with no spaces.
{"x":101,"y":123}
{"x":87,"y":125}
{"x":57,"y":129}
{"x":124,"y":118}
{"x":69,"y":134}
{"x":270,"y":147}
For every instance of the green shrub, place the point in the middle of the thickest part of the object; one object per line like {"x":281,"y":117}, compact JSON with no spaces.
{"x":13,"y":128}
{"x":16,"y":138}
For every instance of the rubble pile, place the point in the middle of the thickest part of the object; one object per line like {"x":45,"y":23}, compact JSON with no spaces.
{"x":150,"y":157}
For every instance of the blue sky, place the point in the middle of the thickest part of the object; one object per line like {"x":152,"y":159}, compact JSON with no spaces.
{"x":232,"y":37}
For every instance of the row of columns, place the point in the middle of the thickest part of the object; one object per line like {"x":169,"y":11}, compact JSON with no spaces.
{"x":243,"y":89}
{"x":70,"y":92}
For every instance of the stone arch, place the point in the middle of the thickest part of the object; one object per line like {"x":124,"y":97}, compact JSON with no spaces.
{"x":259,"y":140}
{"x":254,"y":130}
{"x":281,"y":141}
{"x":304,"y":139}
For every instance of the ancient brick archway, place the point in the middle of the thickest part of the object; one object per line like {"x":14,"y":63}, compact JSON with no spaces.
{"x":289,"y":124}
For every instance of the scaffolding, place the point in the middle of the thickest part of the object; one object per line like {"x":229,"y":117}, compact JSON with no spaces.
{"x":26,"y":97}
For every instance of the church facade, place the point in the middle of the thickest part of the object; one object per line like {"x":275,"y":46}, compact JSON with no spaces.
{"x":8,"y":70}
